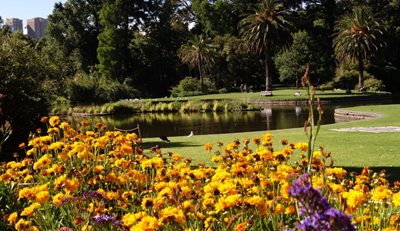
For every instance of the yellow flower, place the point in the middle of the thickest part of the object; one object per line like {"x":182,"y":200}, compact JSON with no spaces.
{"x":290,"y":210}
{"x":177,"y":157}
{"x":354,"y":199}
{"x":302,"y":146}
{"x":396,"y":199}
{"x":58,"y":199}
{"x":381,"y":193}
{"x":147,"y":223}
{"x":12,"y":218}
{"x":256,"y":201}
{"x":98,"y":168}
{"x":54,"y":121}
{"x":129,"y":219}
{"x":339,"y":173}
{"x":23,"y":225}
{"x":279,"y":208}
{"x":131,"y":136}
{"x":64,"y":125}
{"x":31,"y":151}
{"x":56,"y":145}
{"x":172,"y":212}
{"x":87,"y":228}
{"x":28,"y":211}
{"x":71,"y":185}
{"x":336,"y":188}
{"x":42,"y":197}
{"x":43,"y":161}
{"x":227,"y":202}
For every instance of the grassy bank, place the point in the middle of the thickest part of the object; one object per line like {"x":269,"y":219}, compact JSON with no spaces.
{"x":214,"y":102}
{"x":278,"y":94}
{"x":355,"y":149}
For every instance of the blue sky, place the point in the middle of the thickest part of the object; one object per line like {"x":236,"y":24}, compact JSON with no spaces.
{"x":25,"y":9}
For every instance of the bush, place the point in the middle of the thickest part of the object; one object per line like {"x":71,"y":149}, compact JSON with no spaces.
{"x":60,"y":104}
{"x":372,"y":84}
{"x":92,"y":88}
{"x":327,"y":86}
{"x":347,"y":79}
{"x":190,"y":86}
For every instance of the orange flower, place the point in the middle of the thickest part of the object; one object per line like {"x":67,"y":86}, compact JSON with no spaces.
{"x":208,"y":147}
{"x":44,"y":119}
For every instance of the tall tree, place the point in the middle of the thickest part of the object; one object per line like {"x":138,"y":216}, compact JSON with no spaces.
{"x":113,"y":40}
{"x":216,"y":17}
{"x":73,"y":29}
{"x":263,"y":29}
{"x":358,"y":37}
{"x":198,"y":52}
{"x":119,"y":19}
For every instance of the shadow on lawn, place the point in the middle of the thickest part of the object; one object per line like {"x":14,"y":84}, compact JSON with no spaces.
{"x":393,"y":173}
{"x":171,"y":144}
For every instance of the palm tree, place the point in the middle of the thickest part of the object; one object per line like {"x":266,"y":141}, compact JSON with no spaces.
{"x":263,"y":29}
{"x":198,"y":52}
{"x":358,"y":37}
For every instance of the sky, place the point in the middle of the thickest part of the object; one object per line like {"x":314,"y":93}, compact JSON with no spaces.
{"x":26,"y":9}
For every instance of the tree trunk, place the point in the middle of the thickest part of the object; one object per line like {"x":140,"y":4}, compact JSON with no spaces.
{"x":360,"y":73}
{"x":201,"y":79}
{"x":268,"y":80}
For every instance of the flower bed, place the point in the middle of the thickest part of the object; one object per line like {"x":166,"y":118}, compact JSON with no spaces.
{"x":94,"y":179}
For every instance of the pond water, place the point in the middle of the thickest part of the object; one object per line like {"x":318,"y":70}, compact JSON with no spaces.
{"x":181,"y":124}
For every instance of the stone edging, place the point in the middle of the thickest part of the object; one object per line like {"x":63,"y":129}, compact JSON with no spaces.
{"x":343,"y":115}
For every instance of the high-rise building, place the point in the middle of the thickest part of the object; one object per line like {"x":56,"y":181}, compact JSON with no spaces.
{"x":15,"y":24}
{"x":36,"y":27}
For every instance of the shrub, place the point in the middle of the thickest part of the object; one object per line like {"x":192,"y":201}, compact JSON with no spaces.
{"x":93,"y":88}
{"x":327,"y":86}
{"x":190,"y":86}
{"x":60,"y":104}
{"x":373,"y":84}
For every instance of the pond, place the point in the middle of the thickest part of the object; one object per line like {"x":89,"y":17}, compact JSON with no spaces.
{"x":181,"y":124}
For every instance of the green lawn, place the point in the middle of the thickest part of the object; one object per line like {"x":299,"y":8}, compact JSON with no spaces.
{"x":354,"y":149}
{"x":278,"y":94}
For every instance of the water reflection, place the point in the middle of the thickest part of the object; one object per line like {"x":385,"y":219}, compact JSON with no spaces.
{"x":180,"y":124}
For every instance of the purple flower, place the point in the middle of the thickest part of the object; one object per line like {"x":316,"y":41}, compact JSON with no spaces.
{"x":106,"y":219}
{"x":318,"y":213}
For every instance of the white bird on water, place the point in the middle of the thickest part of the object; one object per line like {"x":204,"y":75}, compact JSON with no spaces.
{"x":191,"y":134}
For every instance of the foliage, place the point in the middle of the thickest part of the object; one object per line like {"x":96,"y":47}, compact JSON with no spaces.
{"x":93,"y":88}
{"x":373,"y":84}
{"x":25,"y":86}
{"x":198,"y":53}
{"x":358,"y":37}
{"x":190,"y":86}
{"x":217,"y":17}
{"x":263,"y":29}
{"x":113,"y":40}
{"x":291,"y":63}
{"x":137,"y":106}
{"x":9,"y":203}
{"x":72,"y":30}
{"x":154,"y":56}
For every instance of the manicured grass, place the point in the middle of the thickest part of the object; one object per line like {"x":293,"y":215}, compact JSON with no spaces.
{"x":278,"y":94}
{"x":354,"y":149}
